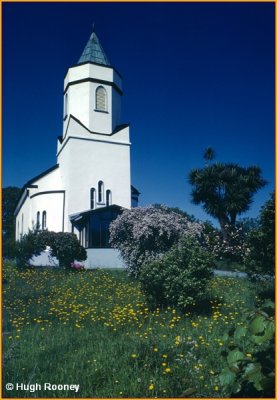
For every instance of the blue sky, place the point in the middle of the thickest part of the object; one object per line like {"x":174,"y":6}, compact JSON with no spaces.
{"x":194,"y":75}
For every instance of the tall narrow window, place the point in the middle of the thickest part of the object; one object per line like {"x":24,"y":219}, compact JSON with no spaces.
{"x":108,"y":198}
{"x":43,"y":220}
{"x":22,"y":224}
{"x":38,"y":220}
{"x":65,"y":105}
{"x":87,"y":235}
{"x":101,"y":99}
{"x":92,"y":198}
{"x":100,"y":191}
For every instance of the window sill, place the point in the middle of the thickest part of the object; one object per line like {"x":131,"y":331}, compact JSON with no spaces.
{"x":100,"y":205}
{"x":101,"y":111}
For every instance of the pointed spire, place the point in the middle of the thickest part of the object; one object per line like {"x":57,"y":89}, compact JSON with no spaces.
{"x":94,"y":52}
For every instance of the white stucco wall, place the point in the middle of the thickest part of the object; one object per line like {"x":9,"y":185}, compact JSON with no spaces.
{"x":23,"y":219}
{"x":87,"y":158}
{"x":52,"y":203}
{"x":103,"y":258}
{"x":96,"y":258}
{"x":39,"y":199}
{"x":116,"y":109}
{"x":79,"y":102}
{"x":101,"y":72}
{"x":75,"y":129}
{"x":50,"y":181}
{"x":44,"y":260}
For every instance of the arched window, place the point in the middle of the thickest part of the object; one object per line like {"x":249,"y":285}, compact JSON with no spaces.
{"x":38,"y":220}
{"x":92,"y":198}
{"x":43,"y":220}
{"x":100,"y":192}
{"x":108,"y":197}
{"x":101,"y":99}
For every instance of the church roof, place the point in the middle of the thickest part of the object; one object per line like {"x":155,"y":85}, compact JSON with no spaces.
{"x":94,"y":52}
{"x":134,"y":190}
{"x":31,"y":184}
{"x":36,"y":178}
{"x":81,"y":216}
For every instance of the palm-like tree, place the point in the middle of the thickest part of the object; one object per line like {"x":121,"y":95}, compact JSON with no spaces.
{"x":225,"y":190}
{"x":209,"y":154}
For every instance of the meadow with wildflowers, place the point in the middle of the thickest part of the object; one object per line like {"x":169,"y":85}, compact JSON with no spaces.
{"x":94,"y":328}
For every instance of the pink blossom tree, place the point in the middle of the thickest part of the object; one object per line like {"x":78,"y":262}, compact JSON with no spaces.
{"x":143,"y":234}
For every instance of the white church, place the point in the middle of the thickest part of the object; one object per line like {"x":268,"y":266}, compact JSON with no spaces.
{"x":91,"y":182}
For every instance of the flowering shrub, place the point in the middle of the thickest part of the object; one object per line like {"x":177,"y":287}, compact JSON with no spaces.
{"x":179,"y":277}
{"x":77,"y":266}
{"x":143,"y":234}
{"x":229,"y":246}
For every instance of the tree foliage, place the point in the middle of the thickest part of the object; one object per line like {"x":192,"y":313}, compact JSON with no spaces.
{"x":179,"y":277}
{"x":28,"y":247}
{"x":260,"y":244}
{"x":247,"y":224}
{"x":249,"y":355}
{"x":64,"y":246}
{"x":10,"y":198}
{"x":231,"y":249}
{"x":225,"y":190}
{"x":209,"y":154}
{"x":143,"y":234}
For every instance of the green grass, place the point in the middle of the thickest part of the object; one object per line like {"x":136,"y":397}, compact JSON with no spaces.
{"x":94,"y":329}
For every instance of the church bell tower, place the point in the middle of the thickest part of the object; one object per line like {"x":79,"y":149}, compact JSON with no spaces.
{"x":93,"y":90}
{"x":94,"y":149}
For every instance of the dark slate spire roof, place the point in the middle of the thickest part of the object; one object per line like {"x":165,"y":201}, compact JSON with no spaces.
{"x":94,"y":52}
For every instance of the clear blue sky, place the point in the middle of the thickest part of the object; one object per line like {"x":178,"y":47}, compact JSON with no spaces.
{"x":195,"y":75}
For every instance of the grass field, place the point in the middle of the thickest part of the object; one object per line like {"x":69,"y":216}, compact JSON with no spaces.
{"x":94,"y":329}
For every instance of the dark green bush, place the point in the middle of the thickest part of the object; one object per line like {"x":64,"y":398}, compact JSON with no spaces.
{"x":10,"y":198}
{"x":260,"y":258}
{"x":8,"y":248}
{"x":64,"y":246}
{"x":67,"y":248}
{"x":249,"y":356}
{"x":27,"y":247}
{"x":179,"y":277}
